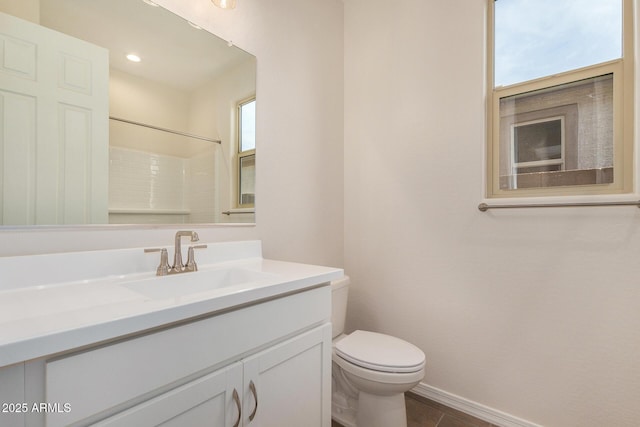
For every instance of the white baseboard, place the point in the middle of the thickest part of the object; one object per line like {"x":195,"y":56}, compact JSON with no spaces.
{"x":469,"y":407}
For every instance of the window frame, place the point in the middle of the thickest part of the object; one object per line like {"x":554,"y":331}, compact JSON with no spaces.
{"x":623,"y":116}
{"x":241,"y":155}
{"x":515,"y":164}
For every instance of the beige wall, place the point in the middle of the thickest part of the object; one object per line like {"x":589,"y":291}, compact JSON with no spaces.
{"x":530,"y":312}
{"x":24,"y":9}
{"x":300,"y":132}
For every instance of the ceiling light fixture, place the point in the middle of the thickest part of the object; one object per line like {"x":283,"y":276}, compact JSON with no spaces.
{"x":150,"y":3}
{"x":133,"y":58}
{"x":225,"y":4}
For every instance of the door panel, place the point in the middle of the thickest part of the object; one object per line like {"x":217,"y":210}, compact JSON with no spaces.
{"x":54,"y":141}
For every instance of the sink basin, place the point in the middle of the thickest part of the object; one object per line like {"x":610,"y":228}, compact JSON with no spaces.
{"x":196,"y":282}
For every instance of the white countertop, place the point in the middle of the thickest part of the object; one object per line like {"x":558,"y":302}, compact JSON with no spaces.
{"x":39,"y":319}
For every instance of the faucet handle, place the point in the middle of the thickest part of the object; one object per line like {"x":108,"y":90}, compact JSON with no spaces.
{"x":163,"y":268}
{"x":191,"y":260}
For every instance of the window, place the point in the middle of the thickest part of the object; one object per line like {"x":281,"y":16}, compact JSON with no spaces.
{"x":246,"y":113}
{"x":538,"y":146}
{"x":560,"y":110}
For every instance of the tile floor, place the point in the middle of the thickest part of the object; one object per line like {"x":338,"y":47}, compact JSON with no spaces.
{"x":422,"y":412}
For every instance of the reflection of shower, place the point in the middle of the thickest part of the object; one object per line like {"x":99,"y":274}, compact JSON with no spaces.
{"x":159,"y":175}
{"x":175,"y":132}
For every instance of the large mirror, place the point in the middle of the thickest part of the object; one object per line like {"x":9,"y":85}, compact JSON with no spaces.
{"x":88,"y":136}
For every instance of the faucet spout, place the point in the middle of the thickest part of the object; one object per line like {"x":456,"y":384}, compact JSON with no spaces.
{"x":178,"y":265}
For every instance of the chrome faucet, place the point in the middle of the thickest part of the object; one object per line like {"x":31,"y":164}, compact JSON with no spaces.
{"x":178,"y":266}
{"x":163,"y":268}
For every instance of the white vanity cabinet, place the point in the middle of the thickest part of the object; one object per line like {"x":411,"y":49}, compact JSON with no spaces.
{"x":243,"y":342}
{"x":276,"y":355}
{"x":12,"y":399}
{"x":281,"y":386}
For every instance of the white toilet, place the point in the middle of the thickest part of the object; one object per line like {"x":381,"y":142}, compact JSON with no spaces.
{"x":370,"y":371}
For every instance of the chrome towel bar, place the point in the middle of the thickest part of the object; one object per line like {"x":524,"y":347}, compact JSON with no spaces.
{"x":237,"y":212}
{"x":483,"y":207}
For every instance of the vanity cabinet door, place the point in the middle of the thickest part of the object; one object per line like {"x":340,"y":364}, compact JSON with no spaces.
{"x":207,"y":401}
{"x":12,"y":396}
{"x":289,"y":384}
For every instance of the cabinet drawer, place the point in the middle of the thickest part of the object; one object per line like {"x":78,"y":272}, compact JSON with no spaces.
{"x":98,"y":380}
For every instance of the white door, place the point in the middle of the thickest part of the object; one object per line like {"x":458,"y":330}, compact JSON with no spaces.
{"x":289,"y":385}
{"x":54,"y":142}
{"x":213,"y":400}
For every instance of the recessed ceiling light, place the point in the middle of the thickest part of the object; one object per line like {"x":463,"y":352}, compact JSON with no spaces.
{"x":197,"y":27}
{"x":133,"y":58}
{"x":150,"y":3}
{"x":225,"y":4}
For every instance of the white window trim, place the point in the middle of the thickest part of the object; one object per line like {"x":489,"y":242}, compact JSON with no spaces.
{"x":514,"y":165}
{"x":548,"y":162}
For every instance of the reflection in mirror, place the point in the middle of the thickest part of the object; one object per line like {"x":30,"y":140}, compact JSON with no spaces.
{"x":173,"y":150}
{"x":246,"y":153}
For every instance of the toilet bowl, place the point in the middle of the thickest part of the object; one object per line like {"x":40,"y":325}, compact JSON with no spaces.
{"x":370,"y":371}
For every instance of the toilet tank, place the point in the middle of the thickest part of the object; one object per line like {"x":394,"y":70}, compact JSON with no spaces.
{"x":339,"y":296}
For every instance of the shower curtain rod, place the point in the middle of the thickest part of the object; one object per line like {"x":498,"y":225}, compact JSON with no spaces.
{"x":483,"y":207}
{"x":175,"y":132}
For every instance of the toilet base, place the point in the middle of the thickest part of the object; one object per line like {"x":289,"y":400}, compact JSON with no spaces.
{"x":381,"y":411}
{"x":343,"y":409}
{"x":344,"y":420}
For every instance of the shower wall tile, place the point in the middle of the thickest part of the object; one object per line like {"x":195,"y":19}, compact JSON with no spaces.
{"x":146,"y":181}
{"x":139,"y":180}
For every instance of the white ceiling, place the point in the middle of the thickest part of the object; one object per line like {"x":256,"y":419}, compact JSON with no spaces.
{"x":172,"y":51}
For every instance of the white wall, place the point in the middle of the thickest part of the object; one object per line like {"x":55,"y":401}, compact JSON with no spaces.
{"x":532,"y":312}
{"x":146,"y":101}
{"x":300,"y":137}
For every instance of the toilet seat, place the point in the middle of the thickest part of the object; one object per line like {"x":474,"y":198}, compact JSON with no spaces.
{"x":380,"y":352}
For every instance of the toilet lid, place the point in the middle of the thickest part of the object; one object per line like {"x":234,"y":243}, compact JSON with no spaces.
{"x":380,"y":352}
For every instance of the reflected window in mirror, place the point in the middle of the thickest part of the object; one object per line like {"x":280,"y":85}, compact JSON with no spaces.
{"x":246,"y":118}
